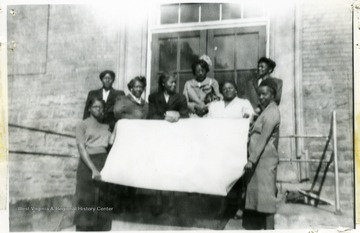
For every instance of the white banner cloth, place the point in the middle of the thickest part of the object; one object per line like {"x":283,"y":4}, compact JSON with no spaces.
{"x":193,"y":155}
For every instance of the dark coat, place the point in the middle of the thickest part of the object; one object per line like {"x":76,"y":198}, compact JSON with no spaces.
{"x":251,"y":91}
{"x":127,"y":108}
{"x":109,"y":105}
{"x":158,"y":105}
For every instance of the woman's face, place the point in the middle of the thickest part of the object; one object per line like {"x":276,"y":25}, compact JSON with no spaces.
{"x":265,"y":96}
{"x":263,"y":69}
{"x":170,"y":85}
{"x":107,"y":81}
{"x":137,"y":89}
{"x":200,"y":73}
{"x":229,"y":91}
{"x":97,"y":109}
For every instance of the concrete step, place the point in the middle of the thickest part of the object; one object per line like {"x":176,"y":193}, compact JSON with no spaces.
{"x":304,"y":216}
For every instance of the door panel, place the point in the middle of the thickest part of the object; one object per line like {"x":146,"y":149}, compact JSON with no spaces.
{"x":242,"y":77}
{"x":247,"y":51}
{"x":224,"y":75}
{"x":174,"y":53}
{"x":236,"y":52}
{"x":189,"y":51}
{"x":167,"y":54}
{"x":224,"y":51}
{"x":182,"y":78}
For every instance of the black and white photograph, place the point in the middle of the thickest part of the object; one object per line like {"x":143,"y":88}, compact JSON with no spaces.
{"x":179,"y":115}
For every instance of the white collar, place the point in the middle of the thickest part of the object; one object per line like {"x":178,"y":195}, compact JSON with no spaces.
{"x":137,"y":100}
{"x":231,"y":102}
{"x":167,"y":97}
{"x":105,"y":94}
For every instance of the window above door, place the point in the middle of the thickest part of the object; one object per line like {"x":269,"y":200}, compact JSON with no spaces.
{"x":182,"y":13}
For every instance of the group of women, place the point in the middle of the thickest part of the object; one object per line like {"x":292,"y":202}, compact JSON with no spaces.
{"x":202,"y":97}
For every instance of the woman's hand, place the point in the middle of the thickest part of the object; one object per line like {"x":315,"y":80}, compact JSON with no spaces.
{"x":95,"y":174}
{"x":249,"y":166}
{"x":85,"y":157}
{"x":172,"y":116}
{"x":201,"y":109}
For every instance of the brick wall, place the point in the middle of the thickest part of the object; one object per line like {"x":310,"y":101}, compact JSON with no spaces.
{"x":60,"y":52}
{"x":34,"y":176}
{"x":327,"y":87}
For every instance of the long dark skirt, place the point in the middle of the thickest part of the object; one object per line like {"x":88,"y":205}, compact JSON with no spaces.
{"x":93,"y":205}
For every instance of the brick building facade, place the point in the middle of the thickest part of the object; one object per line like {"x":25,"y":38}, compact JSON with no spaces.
{"x":60,"y":50}
{"x":327,"y":83}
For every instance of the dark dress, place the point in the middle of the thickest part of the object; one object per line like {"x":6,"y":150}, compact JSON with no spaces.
{"x":127,"y":108}
{"x":91,"y":195}
{"x":158,"y":106}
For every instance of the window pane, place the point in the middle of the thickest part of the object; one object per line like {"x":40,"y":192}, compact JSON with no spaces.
{"x":169,"y":14}
{"x":243,"y":76}
{"x":189,"y":53}
{"x":167,"y":54}
{"x":183,"y":77}
{"x":231,"y":11}
{"x":253,"y":9}
{"x":222,"y":76}
{"x":189,"y":13}
{"x":247,"y":50}
{"x":210,"y":11}
{"x":224,"y":52}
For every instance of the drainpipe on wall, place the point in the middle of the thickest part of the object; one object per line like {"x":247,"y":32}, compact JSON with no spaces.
{"x":298,"y":92}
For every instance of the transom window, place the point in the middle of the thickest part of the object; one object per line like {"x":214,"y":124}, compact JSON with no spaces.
{"x":204,"y":12}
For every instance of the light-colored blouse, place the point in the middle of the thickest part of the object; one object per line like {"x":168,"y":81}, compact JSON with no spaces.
{"x":237,"y":108}
{"x":201,"y":88}
{"x":94,"y":135}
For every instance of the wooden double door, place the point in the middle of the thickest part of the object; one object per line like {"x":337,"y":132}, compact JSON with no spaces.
{"x":234,"y":53}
